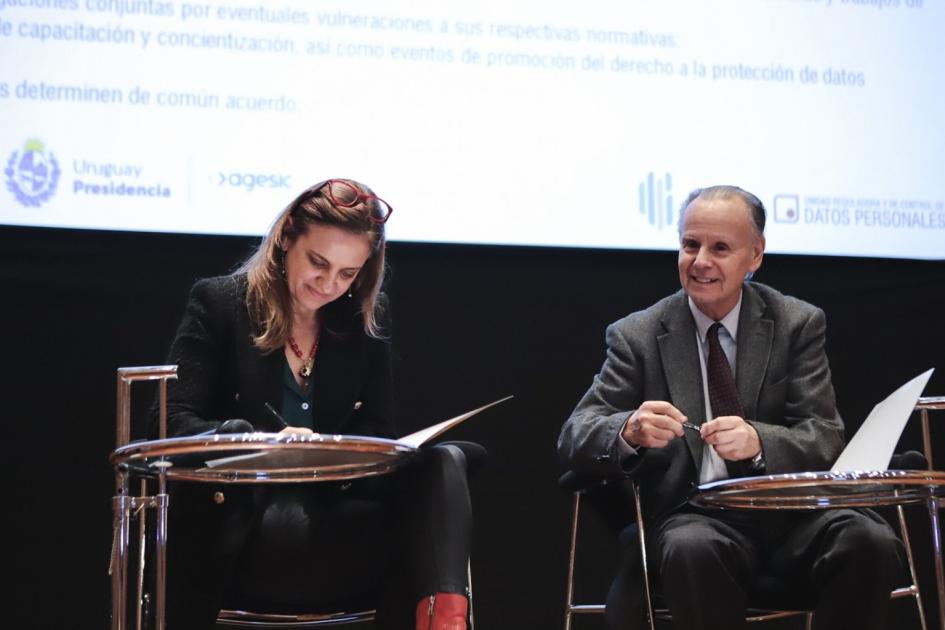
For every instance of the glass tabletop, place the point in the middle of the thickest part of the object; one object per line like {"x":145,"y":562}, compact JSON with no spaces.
{"x":263,"y":457}
{"x":823,"y":490}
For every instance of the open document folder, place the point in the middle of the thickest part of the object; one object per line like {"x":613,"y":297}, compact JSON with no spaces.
{"x":873,"y":444}
{"x":425,"y":435}
{"x":414,"y":440}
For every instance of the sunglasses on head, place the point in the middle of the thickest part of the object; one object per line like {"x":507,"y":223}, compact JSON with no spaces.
{"x":336,"y":190}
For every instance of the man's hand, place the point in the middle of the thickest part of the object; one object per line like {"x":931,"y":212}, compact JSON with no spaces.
{"x":653,"y":425}
{"x":733,"y":438}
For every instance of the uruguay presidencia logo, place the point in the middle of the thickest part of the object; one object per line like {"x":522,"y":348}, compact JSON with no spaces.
{"x":32,"y":174}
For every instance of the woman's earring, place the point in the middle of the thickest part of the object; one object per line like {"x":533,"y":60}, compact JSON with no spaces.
{"x":349,"y":292}
{"x":283,"y":263}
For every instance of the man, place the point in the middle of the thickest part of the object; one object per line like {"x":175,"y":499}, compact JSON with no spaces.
{"x":681,"y":400}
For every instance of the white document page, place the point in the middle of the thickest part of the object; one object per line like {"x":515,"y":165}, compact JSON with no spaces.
{"x":873,"y":444}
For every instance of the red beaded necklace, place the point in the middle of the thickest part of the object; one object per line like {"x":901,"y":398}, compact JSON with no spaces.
{"x":307,"y":364}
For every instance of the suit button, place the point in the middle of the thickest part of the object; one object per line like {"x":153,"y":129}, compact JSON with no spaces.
{"x":218,"y":498}
{"x":236,"y":397}
{"x":357,"y":405}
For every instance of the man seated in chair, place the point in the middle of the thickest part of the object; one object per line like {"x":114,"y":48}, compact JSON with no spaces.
{"x":727,"y":378}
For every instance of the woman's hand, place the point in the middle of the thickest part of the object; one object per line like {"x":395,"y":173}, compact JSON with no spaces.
{"x":297,"y":431}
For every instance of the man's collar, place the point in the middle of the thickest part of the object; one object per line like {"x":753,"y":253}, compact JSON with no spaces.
{"x":729,"y":322}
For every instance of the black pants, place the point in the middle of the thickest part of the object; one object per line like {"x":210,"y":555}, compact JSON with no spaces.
{"x":843,"y":563}
{"x":381,"y":542}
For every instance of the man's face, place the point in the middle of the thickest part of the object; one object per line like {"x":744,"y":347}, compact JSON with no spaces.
{"x":718,"y":246}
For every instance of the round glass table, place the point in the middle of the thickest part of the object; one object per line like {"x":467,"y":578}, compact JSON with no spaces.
{"x":262,"y":457}
{"x":823,"y":490}
{"x":240,"y":458}
{"x":831,"y":490}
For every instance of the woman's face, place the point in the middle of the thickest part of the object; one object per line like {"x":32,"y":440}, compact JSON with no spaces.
{"x":321,"y":264}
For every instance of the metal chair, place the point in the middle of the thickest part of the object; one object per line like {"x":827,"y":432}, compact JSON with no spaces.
{"x":581,"y":487}
{"x":127,"y":508}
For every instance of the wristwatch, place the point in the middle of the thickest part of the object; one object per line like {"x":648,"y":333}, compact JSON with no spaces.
{"x":758,"y":461}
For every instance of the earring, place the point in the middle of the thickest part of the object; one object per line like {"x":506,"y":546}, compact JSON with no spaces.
{"x":349,"y":292}
{"x":283,"y":263}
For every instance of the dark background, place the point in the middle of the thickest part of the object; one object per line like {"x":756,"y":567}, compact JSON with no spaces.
{"x":471,"y":324}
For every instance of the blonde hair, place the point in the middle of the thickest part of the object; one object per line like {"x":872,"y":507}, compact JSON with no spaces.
{"x":267,"y":294}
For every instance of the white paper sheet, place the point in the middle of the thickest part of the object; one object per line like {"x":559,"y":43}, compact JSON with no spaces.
{"x":873,"y":444}
{"x":225,"y":461}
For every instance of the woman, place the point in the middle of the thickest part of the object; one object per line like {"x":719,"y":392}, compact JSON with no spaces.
{"x":291,"y":343}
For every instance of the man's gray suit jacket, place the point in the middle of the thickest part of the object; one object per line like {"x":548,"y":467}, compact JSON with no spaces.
{"x":782,"y":377}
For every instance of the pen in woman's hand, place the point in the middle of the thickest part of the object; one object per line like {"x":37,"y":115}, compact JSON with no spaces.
{"x":285,"y":425}
{"x":275,"y":414}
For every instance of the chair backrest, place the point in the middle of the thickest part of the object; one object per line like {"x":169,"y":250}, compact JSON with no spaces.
{"x":923,"y":406}
{"x":128,"y":375}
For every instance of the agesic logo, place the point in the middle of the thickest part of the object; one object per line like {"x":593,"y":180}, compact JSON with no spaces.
{"x":32,"y":174}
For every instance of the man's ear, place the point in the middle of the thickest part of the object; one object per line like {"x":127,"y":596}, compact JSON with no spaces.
{"x":758,"y":252}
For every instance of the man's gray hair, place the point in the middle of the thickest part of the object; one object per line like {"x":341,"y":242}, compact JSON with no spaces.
{"x":711,"y":193}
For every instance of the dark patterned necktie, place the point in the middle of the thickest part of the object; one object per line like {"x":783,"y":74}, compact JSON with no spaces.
{"x":723,"y":395}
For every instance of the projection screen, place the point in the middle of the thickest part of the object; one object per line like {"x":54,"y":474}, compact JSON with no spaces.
{"x":516,"y":122}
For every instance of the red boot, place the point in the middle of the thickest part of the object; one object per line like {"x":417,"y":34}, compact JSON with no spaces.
{"x":442,"y":611}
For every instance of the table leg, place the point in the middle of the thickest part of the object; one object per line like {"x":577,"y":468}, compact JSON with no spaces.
{"x":160,"y":563}
{"x":937,"y":553}
{"x":142,"y":555}
{"x":121,"y":516}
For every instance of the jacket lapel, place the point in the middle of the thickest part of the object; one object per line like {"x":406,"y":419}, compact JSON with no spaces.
{"x":335,"y":378}
{"x":269,"y":373}
{"x":259,"y":381}
{"x":680,"y":359}
{"x":755,"y":335}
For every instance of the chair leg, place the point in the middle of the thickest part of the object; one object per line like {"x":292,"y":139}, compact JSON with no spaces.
{"x":650,"y":613}
{"x":469,"y":594}
{"x":933,"y":506}
{"x":904,"y":530}
{"x":572,"y":551}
